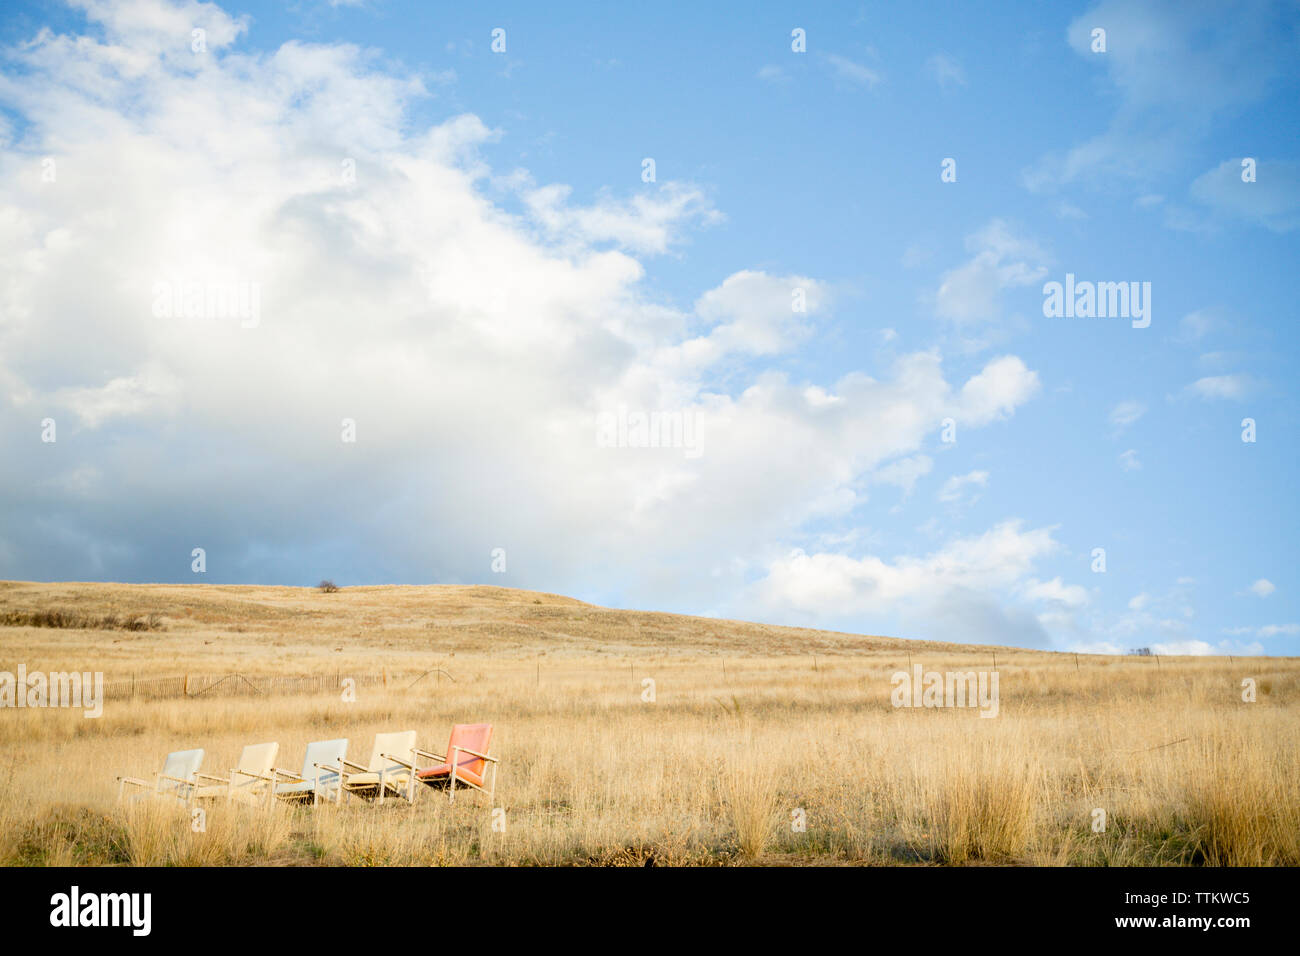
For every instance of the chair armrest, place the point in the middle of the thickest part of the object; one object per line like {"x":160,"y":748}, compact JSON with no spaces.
{"x":254,"y":774}
{"x":430,"y":754}
{"x":135,"y":781}
{"x":475,"y":753}
{"x":331,"y":768}
{"x":356,"y":766}
{"x":205,"y":776}
{"x":188,"y":783}
{"x":405,"y":763}
{"x":281,"y":772}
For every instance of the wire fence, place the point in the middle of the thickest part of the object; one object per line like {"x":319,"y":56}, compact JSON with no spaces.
{"x":241,"y":685}
{"x":237,"y":684}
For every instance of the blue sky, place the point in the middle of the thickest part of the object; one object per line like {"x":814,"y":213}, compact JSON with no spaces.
{"x":497,"y":278}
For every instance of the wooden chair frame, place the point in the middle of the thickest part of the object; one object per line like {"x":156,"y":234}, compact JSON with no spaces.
{"x":293,"y":776}
{"x":282,"y":776}
{"x":357,"y":770}
{"x":159,"y":777}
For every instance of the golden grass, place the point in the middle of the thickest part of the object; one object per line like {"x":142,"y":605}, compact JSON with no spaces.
{"x":745,"y":728}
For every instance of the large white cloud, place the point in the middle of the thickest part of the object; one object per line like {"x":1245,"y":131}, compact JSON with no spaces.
{"x":972,"y":588}
{"x":475,"y":343}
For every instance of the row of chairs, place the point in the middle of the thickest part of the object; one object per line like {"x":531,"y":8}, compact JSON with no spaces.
{"x":394,"y":770}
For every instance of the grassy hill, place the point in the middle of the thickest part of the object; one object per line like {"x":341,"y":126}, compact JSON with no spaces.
{"x":630,"y":736}
{"x":266,"y":629}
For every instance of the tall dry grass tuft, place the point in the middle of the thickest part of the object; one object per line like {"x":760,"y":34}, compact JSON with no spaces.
{"x":1243,"y":810}
{"x":982,"y":806}
{"x":154,"y":831}
{"x":750,"y":796}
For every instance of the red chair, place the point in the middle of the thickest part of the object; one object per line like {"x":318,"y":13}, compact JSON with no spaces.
{"x":465,"y":762}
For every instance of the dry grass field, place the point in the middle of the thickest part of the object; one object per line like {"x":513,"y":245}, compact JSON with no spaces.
{"x":751,"y":728}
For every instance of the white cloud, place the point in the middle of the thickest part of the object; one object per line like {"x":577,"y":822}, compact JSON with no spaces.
{"x":1220,"y":387}
{"x":1003,"y":385}
{"x":1272,"y":200}
{"x":1268,"y":630}
{"x":855,"y":73}
{"x":1152,"y":617}
{"x":1263,"y":587}
{"x":154,"y":28}
{"x":946,"y":70}
{"x":1198,"y":648}
{"x":1128,"y":460}
{"x":1273,"y":630}
{"x":904,"y":472}
{"x":1056,"y":592}
{"x":755,"y":313}
{"x":970,"y":293}
{"x":121,"y":397}
{"x":1196,"y":325}
{"x":1171,"y":71}
{"x":1126,"y":413}
{"x":647,"y":223}
{"x":961,"y":488}
{"x":963,"y":578}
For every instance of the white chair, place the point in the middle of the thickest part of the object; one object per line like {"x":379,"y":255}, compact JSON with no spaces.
{"x":249,"y":782}
{"x":313,"y":781}
{"x":176,"y":781}
{"x":384,"y":773}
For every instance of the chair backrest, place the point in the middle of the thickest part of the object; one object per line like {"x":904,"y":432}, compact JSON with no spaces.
{"x":475,"y":737}
{"x":258,"y":758}
{"x":182,"y":763}
{"x":327,"y":752}
{"x":399,"y":744}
